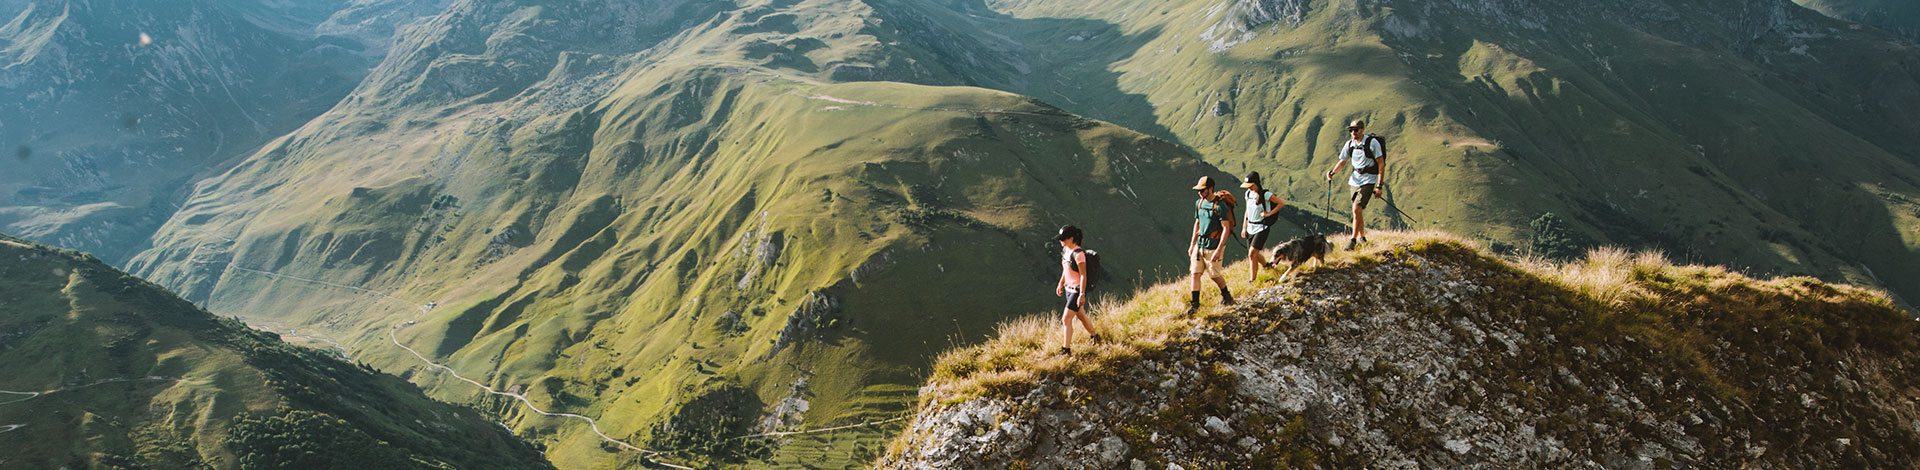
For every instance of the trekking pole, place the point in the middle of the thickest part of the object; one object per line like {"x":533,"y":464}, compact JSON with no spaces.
{"x":1396,"y":207}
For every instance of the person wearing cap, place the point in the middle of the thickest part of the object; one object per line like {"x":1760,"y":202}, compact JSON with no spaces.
{"x":1211,"y":224}
{"x":1263,"y":208}
{"x":1369,"y":157}
{"x":1072,"y":285}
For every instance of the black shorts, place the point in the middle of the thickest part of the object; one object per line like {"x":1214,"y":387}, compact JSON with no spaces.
{"x":1075,"y":303}
{"x":1260,"y":239}
{"x":1362,"y":194}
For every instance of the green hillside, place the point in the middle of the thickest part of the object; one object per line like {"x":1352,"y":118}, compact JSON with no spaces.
{"x":99,"y":369}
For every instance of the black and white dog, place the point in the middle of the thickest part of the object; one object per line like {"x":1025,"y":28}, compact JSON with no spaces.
{"x":1297,"y":251}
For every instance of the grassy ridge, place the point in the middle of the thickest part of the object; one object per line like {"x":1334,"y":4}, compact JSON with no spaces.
{"x":1609,"y":293}
{"x":1682,"y":339}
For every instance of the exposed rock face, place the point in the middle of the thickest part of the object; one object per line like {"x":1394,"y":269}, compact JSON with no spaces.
{"x":1443,"y":359}
{"x":1239,"y":18}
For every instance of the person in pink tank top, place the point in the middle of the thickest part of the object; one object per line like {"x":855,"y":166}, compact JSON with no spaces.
{"x":1073,"y":286}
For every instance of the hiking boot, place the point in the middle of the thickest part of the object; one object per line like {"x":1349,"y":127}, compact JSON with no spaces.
{"x":1352,"y":242}
{"x":1066,"y":351}
{"x":1193,"y":308}
{"x":1226,"y":298}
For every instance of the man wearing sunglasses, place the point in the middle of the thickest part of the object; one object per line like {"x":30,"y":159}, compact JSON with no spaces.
{"x":1369,"y":156}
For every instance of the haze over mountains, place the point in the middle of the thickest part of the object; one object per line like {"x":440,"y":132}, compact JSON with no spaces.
{"x":779,"y":211}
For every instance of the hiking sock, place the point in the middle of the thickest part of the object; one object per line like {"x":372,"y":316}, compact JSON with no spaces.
{"x":1226,"y":298}
{"x":1193,"y":305}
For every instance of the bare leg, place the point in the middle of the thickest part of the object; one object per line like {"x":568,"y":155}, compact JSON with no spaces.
{"x":1066,"y":329}
{"x":1359,"y":222}
{"x":1085,"y":324}
{"x":1254,"y":260}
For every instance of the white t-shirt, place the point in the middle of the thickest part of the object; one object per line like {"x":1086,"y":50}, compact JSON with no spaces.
{"x":1357,"y":157}
{"x":1257,"y":204}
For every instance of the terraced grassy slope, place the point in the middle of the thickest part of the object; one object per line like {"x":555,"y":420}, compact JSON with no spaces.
{"x":99,"y":369}
{"x":1749,"y":133}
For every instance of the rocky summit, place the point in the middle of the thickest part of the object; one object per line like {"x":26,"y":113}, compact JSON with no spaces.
{"x":1427,"y":353}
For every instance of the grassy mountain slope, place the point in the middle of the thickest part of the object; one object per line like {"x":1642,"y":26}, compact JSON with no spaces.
{"x":1426,"y":351}
{"x":103,"y":370}
{"x":102,"y":133}
{"x":1749,"y":133}
{"x":689,"y":218}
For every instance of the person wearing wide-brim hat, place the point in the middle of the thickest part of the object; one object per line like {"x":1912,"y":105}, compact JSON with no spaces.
{"x":1212,"y":222}
{"x":1369,"y":157}
{"x":1263,"y":209}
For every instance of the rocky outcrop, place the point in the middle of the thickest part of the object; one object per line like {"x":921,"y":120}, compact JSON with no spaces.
{"x":1439,"y":357}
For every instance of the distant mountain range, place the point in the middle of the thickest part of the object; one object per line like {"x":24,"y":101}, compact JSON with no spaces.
{"x":780,"y":211}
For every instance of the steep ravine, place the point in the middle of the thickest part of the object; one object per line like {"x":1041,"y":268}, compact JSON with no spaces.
{"x":1429,"y":354}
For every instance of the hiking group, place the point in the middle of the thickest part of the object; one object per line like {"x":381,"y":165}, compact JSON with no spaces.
{"x":1214,"y":221}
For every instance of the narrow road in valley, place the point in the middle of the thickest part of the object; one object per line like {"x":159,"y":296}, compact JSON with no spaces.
{"x":30,"y":396}
{"x":33,"y":395}
{"x":11,"y":427}
{"x":649,"y":454}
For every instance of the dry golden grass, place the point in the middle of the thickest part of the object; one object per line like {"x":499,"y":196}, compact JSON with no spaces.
{"x":1634,"y":291}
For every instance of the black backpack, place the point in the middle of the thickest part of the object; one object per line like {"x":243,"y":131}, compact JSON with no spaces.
{"x":1365,"y":146}
{"x":1091,"y":271}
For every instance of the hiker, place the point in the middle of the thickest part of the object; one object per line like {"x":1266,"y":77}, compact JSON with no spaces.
{"x":1369,"y":157}
{"x":1212,"y":223}
{"x":1076,"y":266}
{"x":1263,"y":208}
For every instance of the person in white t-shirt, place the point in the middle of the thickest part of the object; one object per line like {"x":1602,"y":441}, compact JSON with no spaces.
{"x":1263,"y":209}
{"x":1369,"y":158}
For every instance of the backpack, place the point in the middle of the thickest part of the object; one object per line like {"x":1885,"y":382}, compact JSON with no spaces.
{"x":1226,"y":203}
{"x":1092,"y":270}
{"x":1367,"y":147}
{"x":1212,"y":211}
{"x":1262,"y":203}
